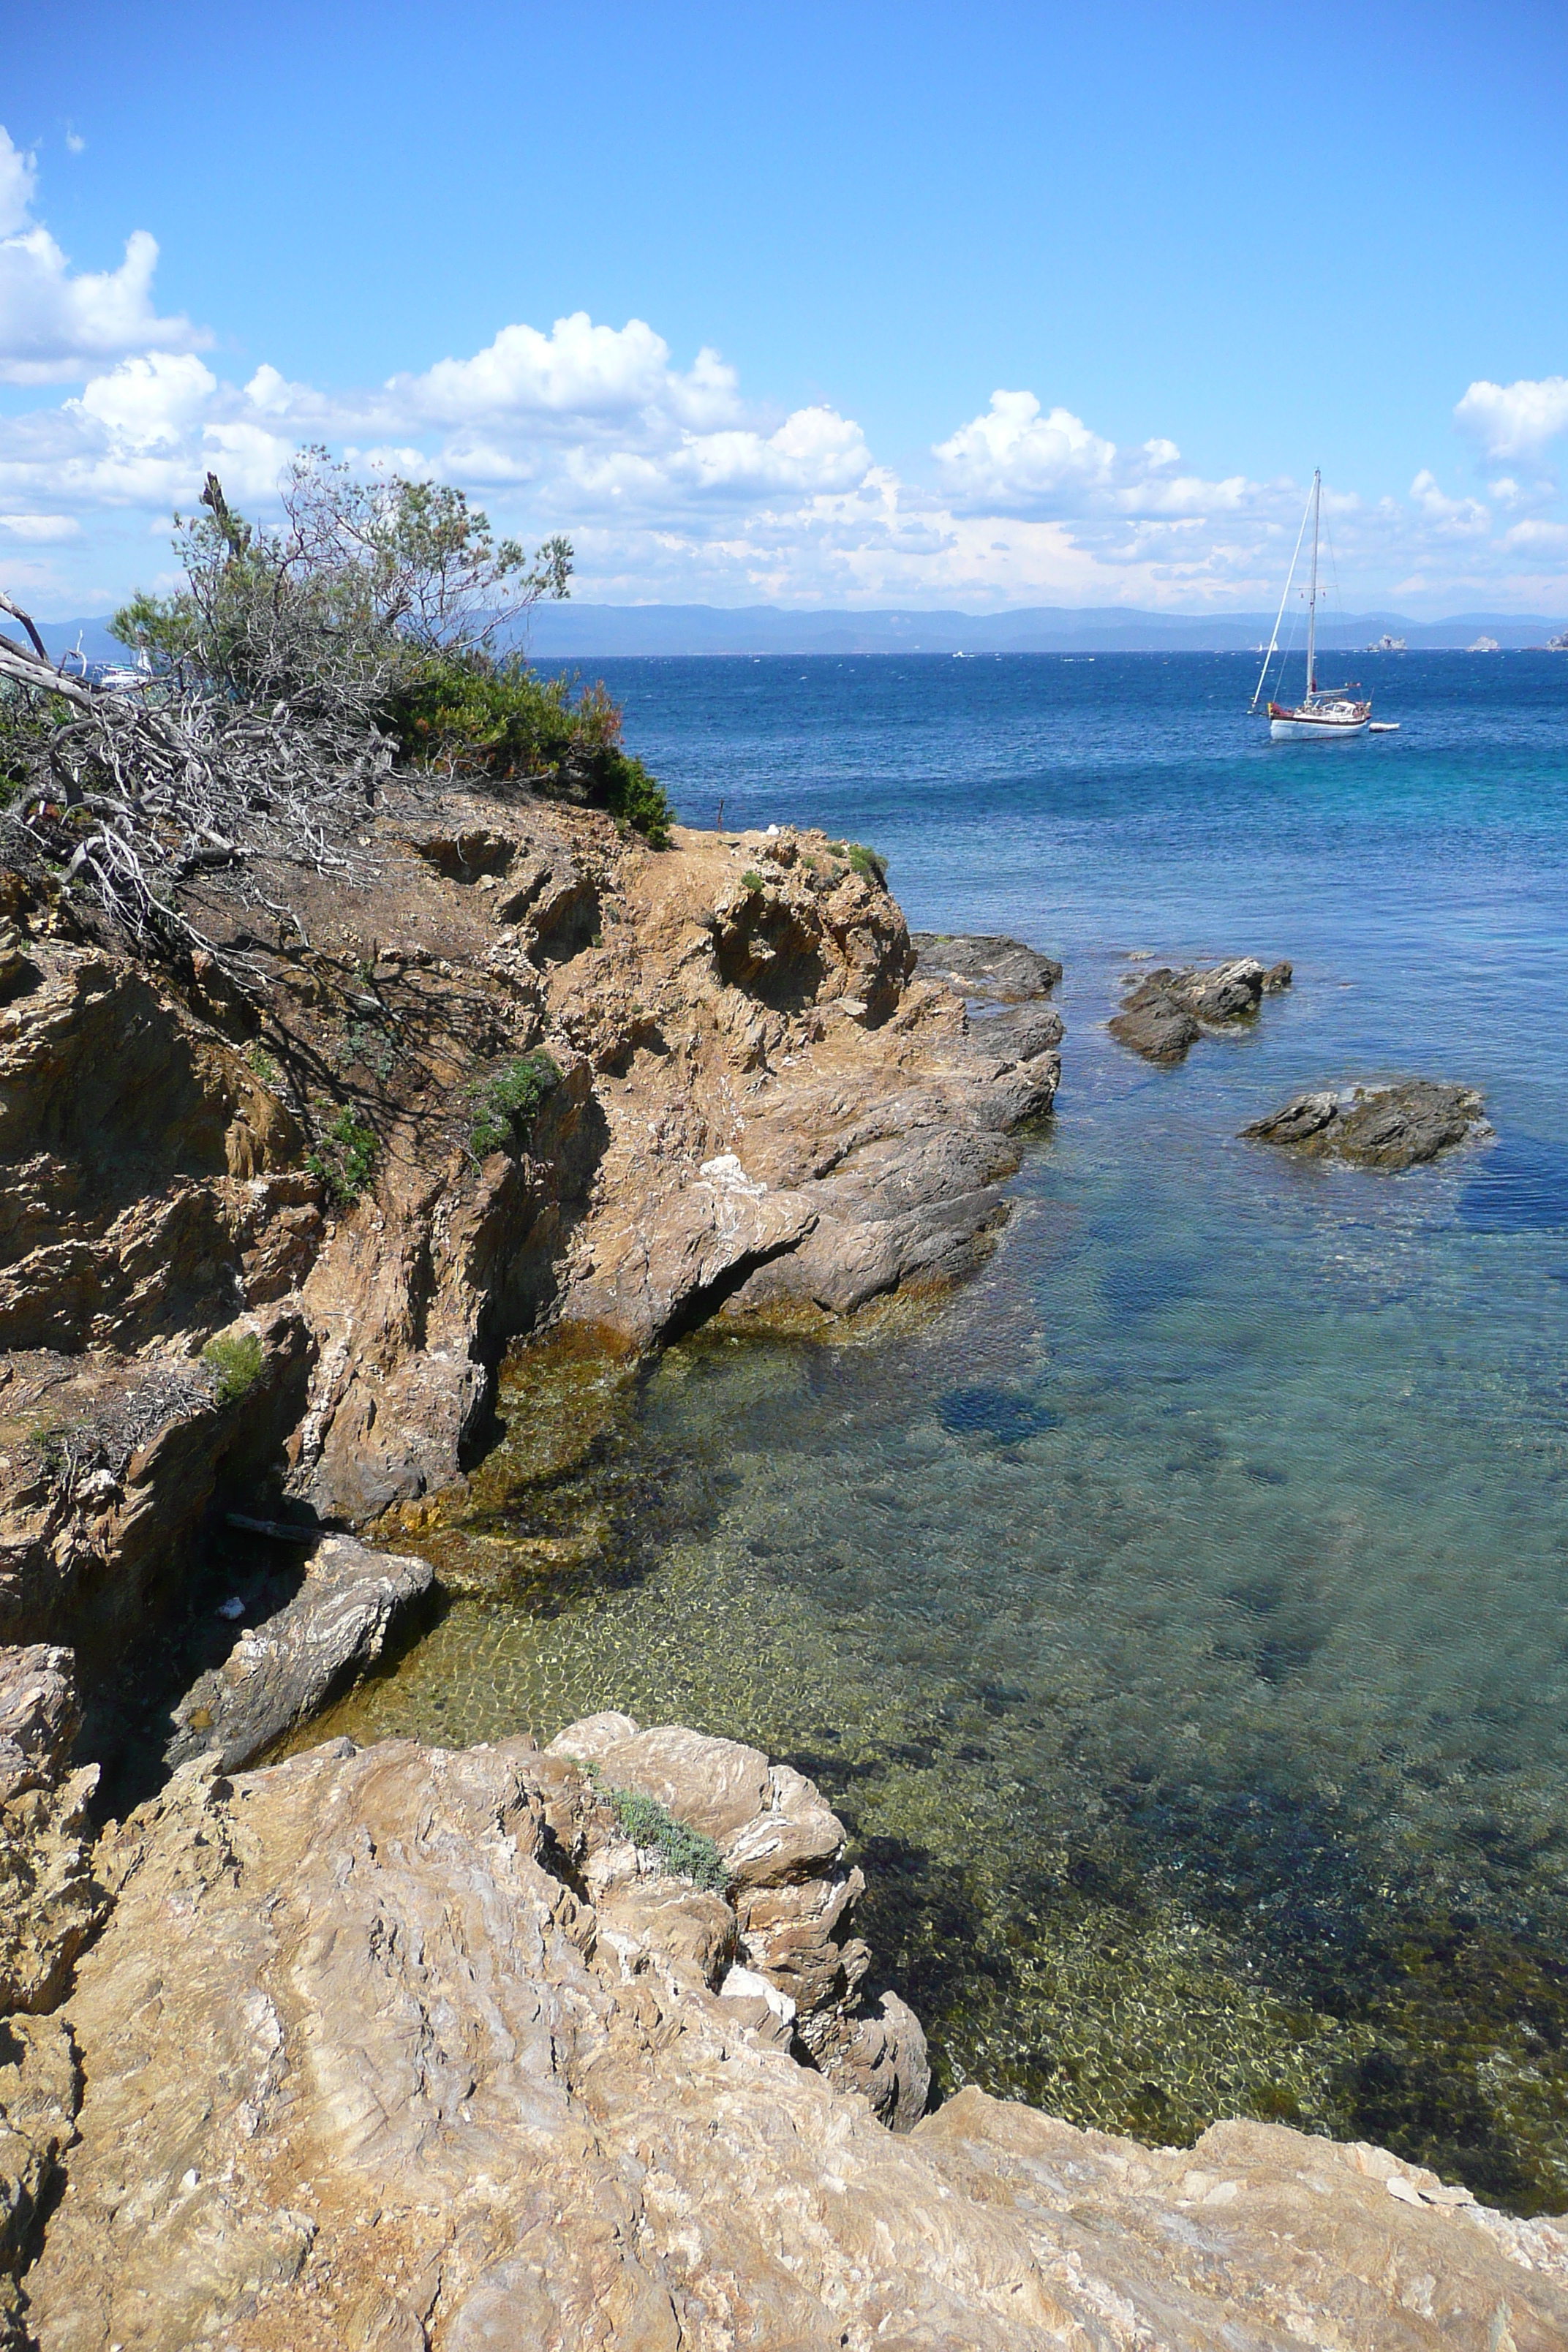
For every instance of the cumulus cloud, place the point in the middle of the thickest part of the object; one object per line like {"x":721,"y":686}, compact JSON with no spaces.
{"x":1016,"y":461}
{"x":1467,"y":516}
{"x":56,"y":324}
{"x":1012,"y":459}
{"x":673,"y":481}
{"x":1515,"y":420}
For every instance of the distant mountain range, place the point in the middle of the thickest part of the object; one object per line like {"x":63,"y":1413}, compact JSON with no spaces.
{"x":572,"y":632}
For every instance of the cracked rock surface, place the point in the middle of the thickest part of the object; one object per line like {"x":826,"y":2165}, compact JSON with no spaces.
{"x":405,"y":2048}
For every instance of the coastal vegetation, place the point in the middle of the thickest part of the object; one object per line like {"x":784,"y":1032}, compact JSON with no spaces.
{"x":237,"y":1361}
{"x":344,"y":1156}
{"x":376,"y":626}
{"x":506,"y":1104}
{"x":653,"y":1829}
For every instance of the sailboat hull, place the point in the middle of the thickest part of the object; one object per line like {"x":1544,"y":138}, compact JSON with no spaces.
{"x":1315,"y":730}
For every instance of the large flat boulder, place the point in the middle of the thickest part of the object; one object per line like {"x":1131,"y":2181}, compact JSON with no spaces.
{"x":985,"y":965}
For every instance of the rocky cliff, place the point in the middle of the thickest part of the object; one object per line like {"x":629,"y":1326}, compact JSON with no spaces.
{"x":266,"y":1245}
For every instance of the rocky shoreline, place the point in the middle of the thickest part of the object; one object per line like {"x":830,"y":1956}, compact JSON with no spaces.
{"x":398,"y":2046}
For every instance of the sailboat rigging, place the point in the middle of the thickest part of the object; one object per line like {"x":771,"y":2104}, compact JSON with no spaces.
{"x":1324,"y":713}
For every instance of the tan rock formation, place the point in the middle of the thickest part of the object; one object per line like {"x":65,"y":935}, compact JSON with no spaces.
{"x":50,"y":1903}
{"x":758,"y":1104}
{"x":368,"y":2062}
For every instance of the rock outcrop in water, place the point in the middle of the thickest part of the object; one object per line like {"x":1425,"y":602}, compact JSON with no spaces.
{"x":1166,"y":1011}
{"x":398,"y":2048}
{"x":1390,"y":1126}
{"x":984,"y":965}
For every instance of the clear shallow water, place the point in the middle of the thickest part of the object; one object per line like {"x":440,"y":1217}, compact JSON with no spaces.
{"x":1179,"y":1615}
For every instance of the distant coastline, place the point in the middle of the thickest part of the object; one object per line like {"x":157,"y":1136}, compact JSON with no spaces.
{"x":574,"y":631}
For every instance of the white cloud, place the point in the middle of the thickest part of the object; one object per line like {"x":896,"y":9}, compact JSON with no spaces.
{"x":57,"y":326}
{"x":1015,"y":460}
{"x":41,"y":529}
{"x":1546,"y":538}
{"x":1462,"y":515}
{"x":150,"y":403}
{"x":1515,"y":420}
{"x":672,"y":482}
{"x":18,"y":182}
{"x":1012,"y":459}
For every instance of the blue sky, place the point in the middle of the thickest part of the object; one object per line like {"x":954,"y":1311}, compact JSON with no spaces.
{"x":857,"y":305}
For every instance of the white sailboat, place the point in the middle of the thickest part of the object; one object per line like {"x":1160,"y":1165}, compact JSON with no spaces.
{"x":1324,"y":714}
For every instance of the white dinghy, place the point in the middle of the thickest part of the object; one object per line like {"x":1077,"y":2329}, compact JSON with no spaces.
{"x":1327,"y":714}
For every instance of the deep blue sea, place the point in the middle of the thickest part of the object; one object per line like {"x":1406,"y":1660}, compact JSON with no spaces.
{"x":1179,"y":1616}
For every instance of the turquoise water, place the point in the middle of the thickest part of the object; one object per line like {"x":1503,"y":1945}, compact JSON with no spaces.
{"x":1179,"y":1615}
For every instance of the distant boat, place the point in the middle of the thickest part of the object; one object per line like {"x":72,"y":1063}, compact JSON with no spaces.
{"x":1325,"y":714}
{"x":1387,"y":645}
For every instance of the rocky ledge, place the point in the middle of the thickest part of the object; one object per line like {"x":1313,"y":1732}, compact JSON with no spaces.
{"x":1166,"y":1011}
{"x":398,"y":2048}
{"x":1391,"y":1127}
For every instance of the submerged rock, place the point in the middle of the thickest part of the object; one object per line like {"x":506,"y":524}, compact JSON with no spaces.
{"x":1391,"y":1127}
{"x":406,"y":2048}
{"x":1168,"y":1010}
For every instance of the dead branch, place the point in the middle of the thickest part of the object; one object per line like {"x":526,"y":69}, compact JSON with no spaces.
{"x":133,"y":791}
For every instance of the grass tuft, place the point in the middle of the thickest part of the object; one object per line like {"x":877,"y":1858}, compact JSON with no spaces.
{"x":682,"y":1850}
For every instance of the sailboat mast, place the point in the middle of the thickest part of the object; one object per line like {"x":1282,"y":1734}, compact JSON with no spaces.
{"x":1312,"y":599}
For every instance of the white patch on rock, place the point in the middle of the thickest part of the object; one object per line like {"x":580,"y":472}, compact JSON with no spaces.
{"x":727,"y":1172}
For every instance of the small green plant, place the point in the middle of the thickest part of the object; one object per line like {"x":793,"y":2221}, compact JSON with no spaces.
{"x":344,"y":1158}
{"x":374,"y":1048}
{"x":682,"y":1848}
{"x":751,"y":880}
{"x":506,"y":1105}
{"x":265,"y":1067}
{"x":235,"y":1357}
{"x":869,"y":864}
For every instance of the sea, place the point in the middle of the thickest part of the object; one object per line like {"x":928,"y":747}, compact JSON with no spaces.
{"x":1176,"y":1613}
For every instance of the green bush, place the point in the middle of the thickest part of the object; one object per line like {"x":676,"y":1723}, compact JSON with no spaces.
{"x":477,"y":716}
{"x":682,"y":1850}
{"x":869,"y":864}
{"x":236,"y":1358}
{"x":751,"y":880}
{"x":506,"y":1105}
{"x":344,"y":1158}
